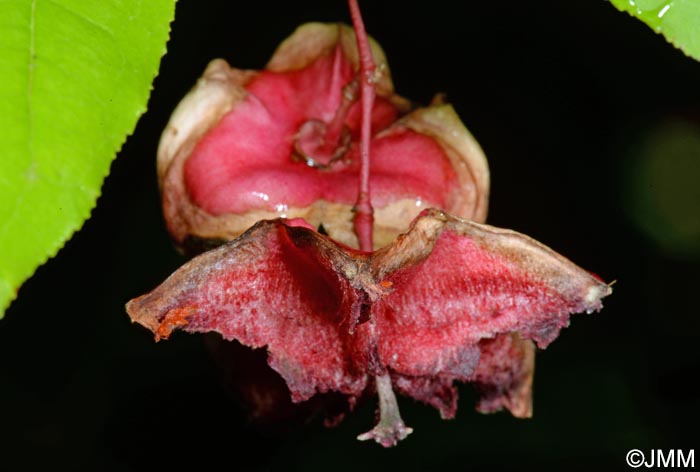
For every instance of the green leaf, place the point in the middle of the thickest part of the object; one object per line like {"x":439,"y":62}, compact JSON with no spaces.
{"x":677,"y":20}
{"x":75,"y":76}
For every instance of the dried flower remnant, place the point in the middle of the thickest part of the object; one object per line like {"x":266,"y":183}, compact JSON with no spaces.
{"x":450,"y":300}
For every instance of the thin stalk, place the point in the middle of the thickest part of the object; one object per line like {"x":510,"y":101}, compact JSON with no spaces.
{"x":364,"y":218}
{"x":391,"y":427}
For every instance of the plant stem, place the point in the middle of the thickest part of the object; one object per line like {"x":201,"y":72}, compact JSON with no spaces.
{"x":391,"y":427}
{"x":364,"y":219}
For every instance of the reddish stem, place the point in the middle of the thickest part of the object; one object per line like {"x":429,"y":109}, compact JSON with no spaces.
{"x":391,"y":427}
{"x":364,"y":219}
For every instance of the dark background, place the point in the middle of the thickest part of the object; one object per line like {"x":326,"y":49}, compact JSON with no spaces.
{"x":590,"y":123}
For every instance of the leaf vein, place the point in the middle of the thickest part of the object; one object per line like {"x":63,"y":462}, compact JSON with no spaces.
{"x":31,"y":171}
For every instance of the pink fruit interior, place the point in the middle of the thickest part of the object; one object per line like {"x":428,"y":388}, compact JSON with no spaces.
{"x":460,"y":294}
{"x":287,"y":298}
{"x":440,"y":318}
{"x":245,"y":161}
